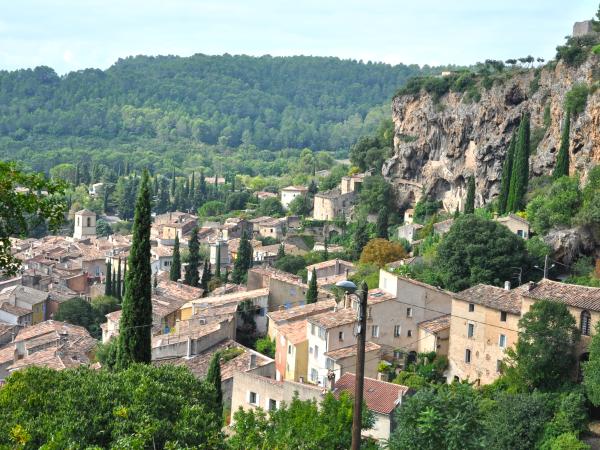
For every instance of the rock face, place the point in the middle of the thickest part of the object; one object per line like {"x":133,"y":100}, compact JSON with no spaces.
{"x":438,"y":145}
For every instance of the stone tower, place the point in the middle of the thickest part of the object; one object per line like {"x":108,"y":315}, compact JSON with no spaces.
{"x":85,"y":224}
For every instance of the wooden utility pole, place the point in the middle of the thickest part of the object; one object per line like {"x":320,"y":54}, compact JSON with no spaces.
{"x":360,"y":365}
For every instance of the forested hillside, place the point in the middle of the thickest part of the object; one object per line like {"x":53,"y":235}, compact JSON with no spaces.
{"x":157,"y":104}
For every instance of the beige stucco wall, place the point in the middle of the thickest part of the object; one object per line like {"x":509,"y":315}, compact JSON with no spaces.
{"x":430,"y":342}
{"x":484,"y":345}
{"x":515,"y":226}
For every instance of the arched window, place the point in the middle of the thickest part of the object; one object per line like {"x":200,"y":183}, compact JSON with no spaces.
{"x":586,"y":323}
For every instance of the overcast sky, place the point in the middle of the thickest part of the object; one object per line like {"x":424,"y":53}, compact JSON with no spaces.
{"x":75,"y":34}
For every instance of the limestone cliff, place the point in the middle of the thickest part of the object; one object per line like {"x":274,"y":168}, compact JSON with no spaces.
{"x":439,"y":144}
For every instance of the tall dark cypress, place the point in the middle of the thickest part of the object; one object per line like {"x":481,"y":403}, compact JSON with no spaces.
{"x":173,"y":183}
{"x":312,"y":292}
{"x":218,"y":261}
{"x":382,"y":223}
{"x":191,"y":272}
{"x":561,"y":168}
{"x":213,"y":376}
{"x":470,"y":201}
{"x":119,"y":286}
{"x":206,"y":275}
{"x":520,"y":171}
{"x":243,"y":261}
{"x":506,"y":175}
{"x":361,"y":238}
{"x":175,"y":271}
{"x":108,"y":288}
{"x":135,"y":326}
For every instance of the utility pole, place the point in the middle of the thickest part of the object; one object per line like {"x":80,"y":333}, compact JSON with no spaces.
{"x":360,"y":365}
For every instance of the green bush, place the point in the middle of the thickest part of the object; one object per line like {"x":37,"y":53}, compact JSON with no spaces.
{"x":576,"y":98}
{"x":576,"y":50}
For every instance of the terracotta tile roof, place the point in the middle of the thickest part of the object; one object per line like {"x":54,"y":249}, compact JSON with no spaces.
{"x":196,"y":332}
{"x":114,"y":316}
{"x":44,"y":358}
{"x":583,"y":297}
{"x":420,"y":283}
{"x":492,"y":297}
{"x":334,"y":319}
{"x":347,"y":352}
{"x":302,"y":311}
{"x":16,"y":311}
{"x":436,"y":325}
{"x":295,"y":188}
{"x":50,"y":326}
{"x":295,"y":332}
{"x":227,"y":299}
{"x":513,"y":217}
{"x":330,"y":263}
{"x":379,"y":296}
{"x":380,"y":396}
{"x":7,"y":354}
{"x":271,"y":272}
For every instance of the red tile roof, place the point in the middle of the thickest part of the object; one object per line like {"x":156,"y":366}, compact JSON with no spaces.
{"x":583,"y":297}
{"x":492,"y":297}
{"x":380,"y":396}
{"x":436,"y":325}
{"x":346,"y":352}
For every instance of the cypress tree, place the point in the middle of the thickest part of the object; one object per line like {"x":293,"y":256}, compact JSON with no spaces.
{"x":361,"y":238}
{"x":382,"y":223}
{"x":561,"y":168}
{"x":105,"y":200}
{"x":243,"y":261}
{"x":213,"y":376}
{"x":202,"y":186}
{"x":520,"y":172}
{"x":312,"y":292}
{"x":326,"y":249}
{"x":173,"y":183}
{"x":175,"y":271}
{"x":108,"y":287}
{"x":191,"y":273}
{"x":470,"y":202}
{"x":119,"y":290}
{"x":281,"y":251}
{"x":192,"y":189}
{"x":218,"y":260}
{"x":135,"y":326}
{"x":124,"y":283}
{"x":506,"y":175}
{"x":206,"y":275}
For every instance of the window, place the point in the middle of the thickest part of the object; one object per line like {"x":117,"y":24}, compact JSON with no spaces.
{"x":289,"y":349}
{"x":409,"y":333}
{"x":470,"y":330}
{"x":397,"y":330}
{"x":502,"y":341}
{"x":252,"y":398}
{"x":586,"y":321}
{"x":89,"y":221}
{"x":322,"y":333}
{"x":312,"y":329}
{"x":471,"y":307}
{"x":313,"y":375}
{"x":499,"y":366}
{"x":272,"y":404}
{"x":368,"y":312}
{"x":467,"y":356}
{"x":375,"y":331}
{"x":502,"y":316}
{"x":262,"y":312}
{"x":520,"y":233}
{"x":408,"y":312}
{"x":316,"y":353}
{"x":310,"y":350}
{"x":329,"y":364}
{"x":341,"y":335}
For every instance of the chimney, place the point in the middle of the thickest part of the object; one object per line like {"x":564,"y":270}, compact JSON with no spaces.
{"x":252,"y":363}
{"x":507,"y":285}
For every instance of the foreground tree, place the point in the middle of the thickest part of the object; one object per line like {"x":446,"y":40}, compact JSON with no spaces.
{"x":477,"y":250}
{"x":301,"y":424}
{"x":102,"y":409}
{"x":312,"y":291}
{"x":175,"y":270}
{"x":135,"y":326}
{"x":192,"y":278}
{"x":544,"y":355}
{"x":22,"y":210}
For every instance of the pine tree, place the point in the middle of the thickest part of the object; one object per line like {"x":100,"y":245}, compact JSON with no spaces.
{"x":506,"y":175}
{"x":119,"y":285}
{"x":520,"y":171}
{"x":218,"y":261}
{"x":561,"y":169}
{"x":361,"y":238}
{"x":243,"y":261}
{"x":135,"y":327}
{"x":108,"y":288}
{"x":191,"y":273}
{"x":382,"y":223}
{"x":312,"y":292}
{"x":213,"y":376}
{"x":175,"y":271}
{"x":281,"y":251}
{"x":470,"y":201}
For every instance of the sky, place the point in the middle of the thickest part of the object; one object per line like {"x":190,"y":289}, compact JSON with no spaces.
{"x":71,"y":35}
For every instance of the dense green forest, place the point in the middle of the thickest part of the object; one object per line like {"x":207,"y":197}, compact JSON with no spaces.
{"x":153,"y":109}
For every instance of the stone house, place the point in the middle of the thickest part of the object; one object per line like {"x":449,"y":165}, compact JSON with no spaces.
{"x":28,"y":299}
{"x":441,"y":228}
{"x":516,"y":224}
{"x":332,"y":204}
{"x":409,"y":215}
{"x":483,"y":324}
{"x":291,"y":352}
{"x":274,"y":228}
{"x":332,"y":271}
{"x":162,"y":258}
{"x":409,"y":231}
{"x":382,"y":398}
{"x":290,"y":193}
{"x":434,"y":335}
